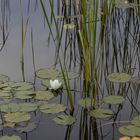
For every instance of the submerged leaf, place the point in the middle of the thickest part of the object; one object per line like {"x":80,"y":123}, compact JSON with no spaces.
{"x":13,"y":137}
{"x":64,"y":119}
{"x":119,"y":77}
{"x":47,"y":73}
{"x":112,"y":99}
{"x":101,"y":113}
{"x":52,"y":108}
{"x":17,"y":117}
{"x":44,"y":95}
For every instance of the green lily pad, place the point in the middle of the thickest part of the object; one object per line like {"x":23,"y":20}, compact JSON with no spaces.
{"x":11,"y":107}
{"x":5,"y":95}
{"x":101,"y":113}
{"x":5,"y":86}
{"x":13,"y":137}
{"x":4,"y":78}
{"x":130,"y":130}
{"x":44,"y":95}
{"x":136,"y":121}
{"x":47,"y":73}
{"x":28,"y":128}
{"x":21,"y":85}
{"x":112,"y":99}
{"x":27,"y":107}
{"x":17,"y":117}
{"x":64,"y":120}
{"x":24,"y":94}
{"x":86,"y":103}
{"x":71,"y":75}
{"x":52,"y":108}
{"x":4,"y":101}
{"x":119,"y":77}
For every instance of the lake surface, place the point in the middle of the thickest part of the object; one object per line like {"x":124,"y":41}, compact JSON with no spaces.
{"x":92,"y":46}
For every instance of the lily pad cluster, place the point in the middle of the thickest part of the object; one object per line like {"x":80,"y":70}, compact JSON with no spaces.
{"x":132,"y":129}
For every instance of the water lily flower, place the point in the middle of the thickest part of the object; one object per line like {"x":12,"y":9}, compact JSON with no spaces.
{"x":55,"y":84}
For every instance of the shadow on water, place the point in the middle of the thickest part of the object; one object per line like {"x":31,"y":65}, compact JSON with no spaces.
{"x":75,"y":67}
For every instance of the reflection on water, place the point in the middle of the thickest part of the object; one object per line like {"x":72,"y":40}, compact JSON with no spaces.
{"x":93,"y":39}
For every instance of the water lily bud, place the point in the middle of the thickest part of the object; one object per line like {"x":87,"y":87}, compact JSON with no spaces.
{"x":55,"y":84}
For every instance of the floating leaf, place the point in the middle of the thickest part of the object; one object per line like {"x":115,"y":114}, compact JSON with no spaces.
{"x":112,"y":99}
{"x":11,"y":107}
{"x":101,"y":113}
{"x":24,"y":95}
{"x":21,"y":85}
{"x":47,"y":73}
{"x":17,"y":117}
{"x":130,"y":130}
{"x":28,"y":128}
{"x":13,"y":137}
{"x":52,"y":108}
{"x":64,"y":119}
{"x":5,"y":95}
{"x":44,"y":95}
{"x":71,"y":75}
{"x":69,"y":26}
{"x":5,"y":86}
{"x":125,"y":138}
{"x":9,"y":124}
{"x":136,"y":121}
{"x":4,"y":78}
{"x":27,"y":107}
{"x":119,"y":77}
{"x":86,"y":103}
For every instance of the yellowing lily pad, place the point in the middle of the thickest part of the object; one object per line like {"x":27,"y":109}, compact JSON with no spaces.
{"x":17,"y":117}
{"x":44,"y":95}
{"x":112,"y":99}
{"x":86,"y":103}
{"x":47,"y":73}
{"x":101,"y":113}
{"x":64,"y":120}
{"x":119,"y":77}
{"x":69,"y":26}
{"x":52,"y":108}
{"x":13,"y":137}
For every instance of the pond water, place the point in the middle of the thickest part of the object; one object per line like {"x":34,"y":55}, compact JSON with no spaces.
{"x":91,"y":47}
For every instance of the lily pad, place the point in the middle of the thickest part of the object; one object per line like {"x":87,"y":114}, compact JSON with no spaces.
{"x":136,"y":121}
{"x":130,"y":130}
{"x":119,"y":77}
{"x":5,"y":86}
{"x":64,"y":120}
{"x":101,"y":113}
{"x":71,"y":75}
{"x":13,"y":137}
{"x":44,"y":95}
{"x":4,"y":78}
{"x":52,"y":108}
{"x":86,"y":103}
{"x":21,"y":85}
{"x":5,"y":95}
{"x":27,"y":107}
{"x":17,"y":117}
{"x":28,"y":128}
{"x":47,"y":73}
{"x":112,"y":99}
{"x":24,"y":94}
{"x":69,"y":26}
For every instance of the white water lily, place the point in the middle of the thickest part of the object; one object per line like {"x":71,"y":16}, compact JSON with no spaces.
{"x":55,"y":84}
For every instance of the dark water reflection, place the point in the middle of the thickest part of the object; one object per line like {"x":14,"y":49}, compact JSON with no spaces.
{"x":121,"y":53}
